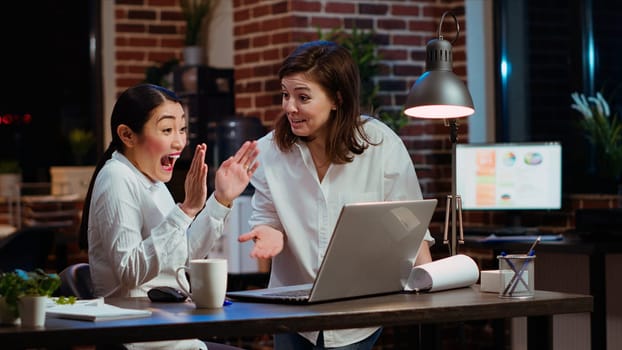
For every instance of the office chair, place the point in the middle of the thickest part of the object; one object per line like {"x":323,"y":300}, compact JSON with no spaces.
{"x":26,"y":249}
{"x":76,"y":281}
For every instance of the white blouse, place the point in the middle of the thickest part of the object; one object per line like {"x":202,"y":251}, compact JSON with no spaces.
{"x":289,"y":197}
{"x":138,"y":235}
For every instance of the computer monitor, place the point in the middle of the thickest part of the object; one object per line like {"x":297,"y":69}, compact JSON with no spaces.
{"x":509,"y":176}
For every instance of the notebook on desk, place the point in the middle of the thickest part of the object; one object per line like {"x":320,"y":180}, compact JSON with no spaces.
{"x":370,"y":253}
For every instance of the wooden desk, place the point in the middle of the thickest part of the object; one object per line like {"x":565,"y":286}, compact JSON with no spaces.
{"x":182,"y":320}
{"x":574,"y":265}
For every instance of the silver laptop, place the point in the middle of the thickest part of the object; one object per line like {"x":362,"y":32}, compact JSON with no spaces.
{"x":370,"y":253}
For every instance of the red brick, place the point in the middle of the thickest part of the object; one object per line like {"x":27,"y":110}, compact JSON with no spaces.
{"x":175,"y":16}
{"x":373,"y":9}
{"x":141,"y":15}
{"x":326,"y":22}
{"x":134,"y":69}
{"x":390,"y":54}
{"x":142,"y":42}
{"x":404,"y":10}
{"x":162,"y":3}
{"x":130,"y":55}
{"x":357,"y":22}
{"x":160,"y":56}
{"x":247,"y":28}
{"x":242,"y":102}
{"x":424,"y":25}
{"x":241,"y":15}
{"x":162,"y":29}
{"x":172,"y":43}
{"x":281,"y":38}
{"x":241,"y":44}
{"x":306,"y":6}
{"x":391,"y":24}
{"x":128,"y":2}
{"x":261,"y":11}
{"x":271,"y":54}
{"x":251,"y":57}
{"x":340,"y":7}
{"x":407,"y":39}
{"x":273,"y":84}
{"x":131,"y":28}
{"x":260,"y":41}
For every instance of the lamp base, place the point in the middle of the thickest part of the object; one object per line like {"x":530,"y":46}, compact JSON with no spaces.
{"x":455,"y":207}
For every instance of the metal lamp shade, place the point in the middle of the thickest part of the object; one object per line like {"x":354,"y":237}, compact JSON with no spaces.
{"x":439,"y":93}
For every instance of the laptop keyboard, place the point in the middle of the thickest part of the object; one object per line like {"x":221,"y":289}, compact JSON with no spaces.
{"x":296,"y":294}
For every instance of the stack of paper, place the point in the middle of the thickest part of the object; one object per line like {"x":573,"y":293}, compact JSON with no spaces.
{"x":93,"y":310}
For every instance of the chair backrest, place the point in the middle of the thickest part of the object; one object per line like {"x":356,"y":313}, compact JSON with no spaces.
{"x":76,"y":281}
{"x":26,"y":249}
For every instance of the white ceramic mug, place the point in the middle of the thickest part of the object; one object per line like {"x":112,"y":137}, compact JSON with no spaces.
{"x":208,"y":282}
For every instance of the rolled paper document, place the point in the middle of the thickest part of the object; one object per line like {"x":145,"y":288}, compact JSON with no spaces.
{"x":456,"y":271}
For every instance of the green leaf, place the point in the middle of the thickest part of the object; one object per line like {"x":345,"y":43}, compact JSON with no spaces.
{"x":603,"y":131}
{"x":19,"y":283}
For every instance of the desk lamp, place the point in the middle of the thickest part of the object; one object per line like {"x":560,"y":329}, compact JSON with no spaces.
{"x":440,"y":94}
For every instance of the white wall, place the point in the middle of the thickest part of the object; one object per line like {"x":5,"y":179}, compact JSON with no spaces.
{"x":220,"y":37}
{"x":108,"y":63}
{"x":480,"y":69}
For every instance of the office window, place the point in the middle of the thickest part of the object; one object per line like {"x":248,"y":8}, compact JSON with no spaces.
{"x":542,"y":56}
{"x":47,"y":81}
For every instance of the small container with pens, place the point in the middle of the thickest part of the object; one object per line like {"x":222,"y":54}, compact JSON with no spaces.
{"x":517,"y":274}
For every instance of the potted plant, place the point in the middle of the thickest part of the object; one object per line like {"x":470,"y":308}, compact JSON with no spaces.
{"x":81,"y":141}
{"x":197,"y":14}
{"x":18,"y":286}
{"x":364,"y":49}
{"x":603,"y":129}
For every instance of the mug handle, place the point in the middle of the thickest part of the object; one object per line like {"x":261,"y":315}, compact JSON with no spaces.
{"x":181,"y":285}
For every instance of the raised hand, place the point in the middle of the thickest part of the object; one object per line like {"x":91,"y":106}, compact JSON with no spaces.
{"x":196,"y":183}
{"x":235,"y":173}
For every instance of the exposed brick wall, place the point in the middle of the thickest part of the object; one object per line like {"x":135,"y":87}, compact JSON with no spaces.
{"x":148,"y":32}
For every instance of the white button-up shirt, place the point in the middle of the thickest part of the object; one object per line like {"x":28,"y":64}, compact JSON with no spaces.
{"x":289,"y":197}
{"x":138,"y":236}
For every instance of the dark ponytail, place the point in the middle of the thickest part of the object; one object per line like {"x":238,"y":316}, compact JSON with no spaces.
{"x":84,"y":223}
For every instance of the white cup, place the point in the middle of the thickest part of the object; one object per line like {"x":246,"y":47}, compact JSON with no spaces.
{"x":208,"y":282}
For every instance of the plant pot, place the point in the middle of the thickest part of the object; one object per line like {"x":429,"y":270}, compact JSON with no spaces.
{"x":7,"y":317}
{"x":193,"y":55}
{"x":32,"y":311}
